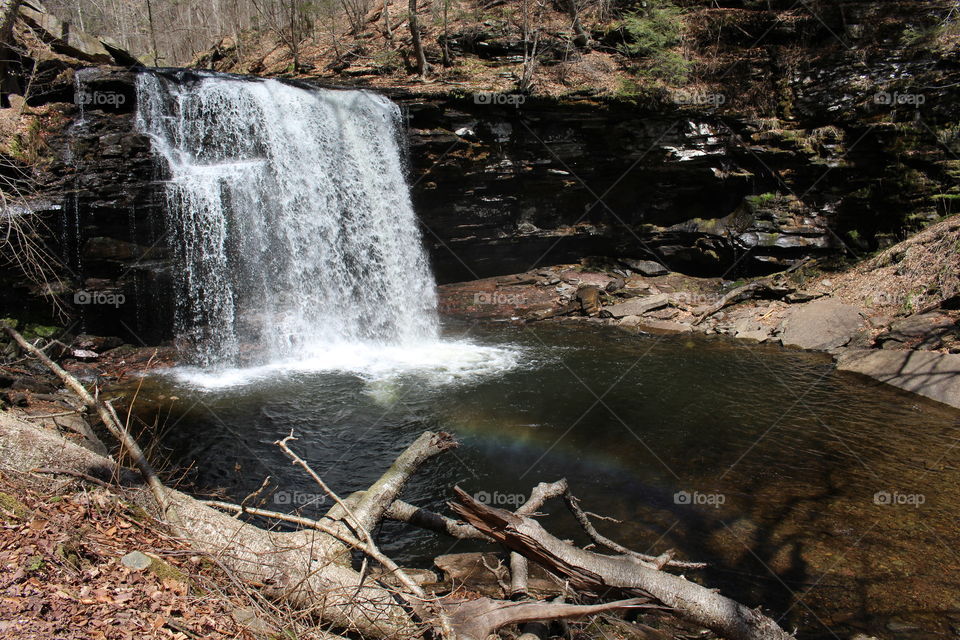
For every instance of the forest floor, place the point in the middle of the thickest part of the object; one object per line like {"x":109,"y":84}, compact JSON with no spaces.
{"x":63,"y":574}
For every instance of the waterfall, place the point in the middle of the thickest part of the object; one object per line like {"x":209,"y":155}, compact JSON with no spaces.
{"x":289,"y":217}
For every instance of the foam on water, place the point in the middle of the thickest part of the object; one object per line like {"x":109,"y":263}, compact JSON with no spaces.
{"x":434,"y":362}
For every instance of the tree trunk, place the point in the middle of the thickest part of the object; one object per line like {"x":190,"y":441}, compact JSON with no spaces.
{"x":9,"y":9}
{"x":422,"y":67}
{"x":593,"y":572}
{"x":581,"y":37}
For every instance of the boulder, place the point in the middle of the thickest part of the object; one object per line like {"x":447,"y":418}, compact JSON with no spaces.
{"x":647,"y":268}
{"x":928,"y":373}
{"x":589,"y":298}
{"x":749,"y":329}
{"x":921,"y":331}
{"x":66,"y":39}
{"x":820,"y":325}
{"x":636,"y":307}
{"x":96,"y":343}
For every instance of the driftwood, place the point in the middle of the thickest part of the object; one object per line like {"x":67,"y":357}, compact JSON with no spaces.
{"x":311,"y":568}
{"x":110,"y":420}
{"x":769,"y":286}
{"x":596,"y":573}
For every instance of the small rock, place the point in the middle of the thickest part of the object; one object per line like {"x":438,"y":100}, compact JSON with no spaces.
{"x":16,"y":398}
{"x":136,"y":560}
{"x":900,"y":627}
{"x":615,"y":285}
{"x":32,"y":385}
{"x":803,"y":296}
{"x":96,"y":343}
{"x":250,"y":618}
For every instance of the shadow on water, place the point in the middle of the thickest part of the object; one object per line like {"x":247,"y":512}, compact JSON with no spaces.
{"x":826,"y":499}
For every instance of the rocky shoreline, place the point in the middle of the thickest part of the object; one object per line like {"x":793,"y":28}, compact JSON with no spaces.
{"x":904,"y":334}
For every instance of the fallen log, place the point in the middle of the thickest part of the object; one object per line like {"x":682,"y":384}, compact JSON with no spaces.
{"x":595,"y":573}
{"x":764,"y":286}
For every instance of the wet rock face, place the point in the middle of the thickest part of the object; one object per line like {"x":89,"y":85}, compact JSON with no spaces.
{"x":505,"y":188}
{"x":106,"y":211}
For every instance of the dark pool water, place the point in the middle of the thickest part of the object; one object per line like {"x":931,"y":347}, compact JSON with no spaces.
{"x":826,"y":498}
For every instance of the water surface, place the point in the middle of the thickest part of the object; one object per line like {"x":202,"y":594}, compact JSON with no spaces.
{"x":829,"y":499}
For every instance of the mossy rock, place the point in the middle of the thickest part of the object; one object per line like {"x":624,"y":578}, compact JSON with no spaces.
{"x":33,"y":331}
{"x":70,"y":553}
{"x":13,"y":509}
{"x":158,"y":567}
{"x":34,"y":563}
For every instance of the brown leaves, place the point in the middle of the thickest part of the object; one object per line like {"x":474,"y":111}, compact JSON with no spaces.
{"x":61,"y":576}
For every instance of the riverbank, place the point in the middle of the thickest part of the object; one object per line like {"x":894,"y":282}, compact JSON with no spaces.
{"x":893,"y":317}
{"x":87,"y":554}
{"x":83,"y":558}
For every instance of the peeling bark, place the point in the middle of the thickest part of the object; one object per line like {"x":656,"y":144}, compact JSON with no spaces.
{"x":596,"y":573}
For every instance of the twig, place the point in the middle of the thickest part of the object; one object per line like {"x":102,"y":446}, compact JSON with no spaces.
{"x":51,"y":415}
{"x":365,"y":542}
{"x":113,"y":424}
{"x":75,"y":474}
{"x":657,"y":562}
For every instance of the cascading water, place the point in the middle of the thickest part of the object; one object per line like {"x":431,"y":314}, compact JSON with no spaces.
{"x":290,"y":218}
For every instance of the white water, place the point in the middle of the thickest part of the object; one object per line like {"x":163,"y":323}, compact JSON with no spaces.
{"x":297,"y":244}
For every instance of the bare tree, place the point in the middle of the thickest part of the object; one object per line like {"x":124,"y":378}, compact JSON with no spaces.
{"x":387,"y":28}
{"x":581,"y":38}
{"x":8,"y":15}
{"x":423,"y":68}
